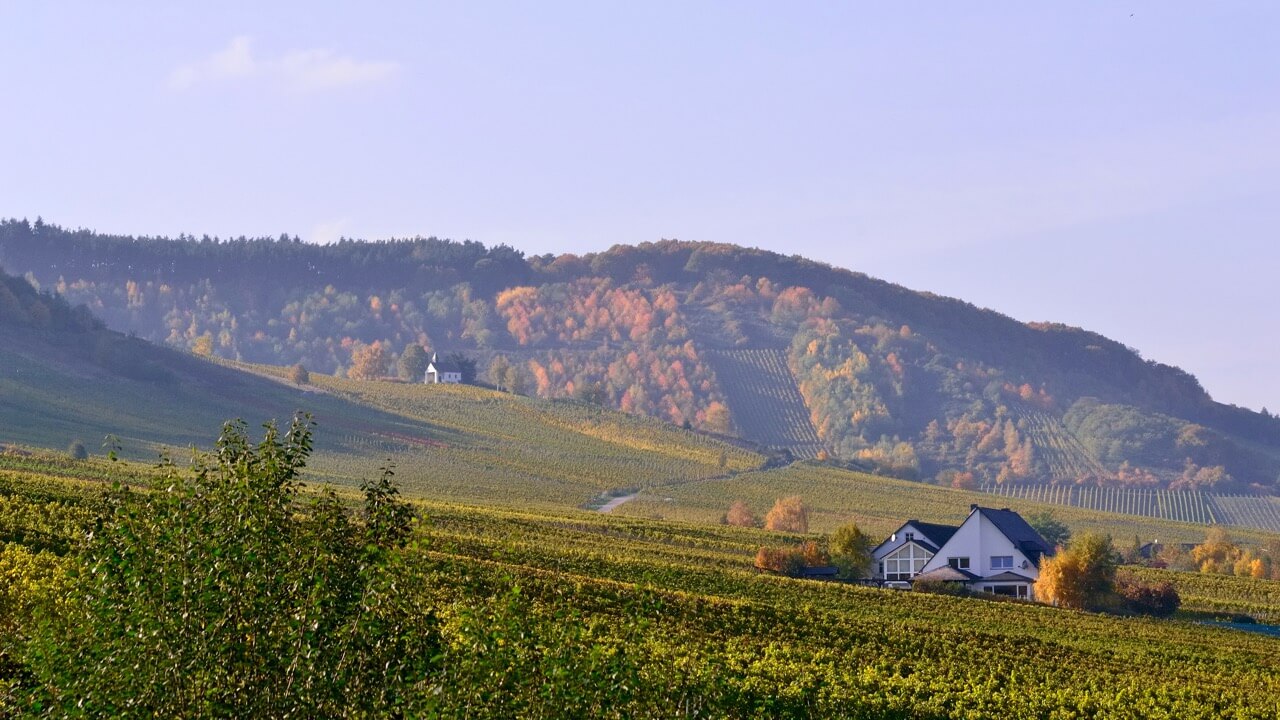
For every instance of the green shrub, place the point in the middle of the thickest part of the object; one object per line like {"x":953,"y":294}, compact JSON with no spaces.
{"x":218,"y":593}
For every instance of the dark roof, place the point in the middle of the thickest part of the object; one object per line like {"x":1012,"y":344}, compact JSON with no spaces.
{"x":922,"y":543}
{"x":1008,"y":576}
{"x":1022,"y":535}
{"x":946,"y":573}
{"x":446,"y":366}
{"x":936,"y":534}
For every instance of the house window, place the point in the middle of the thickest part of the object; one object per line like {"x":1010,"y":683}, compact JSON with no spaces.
{"x":1001,"y":562}
{"x":959,"y":563}
{"x":911,"y":536}
{"x":1013,"y":591}
{"x":904,"y":563}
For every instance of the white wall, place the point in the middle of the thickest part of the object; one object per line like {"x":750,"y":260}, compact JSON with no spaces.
{"x":901,"y":540}
{"x":978,"y":539}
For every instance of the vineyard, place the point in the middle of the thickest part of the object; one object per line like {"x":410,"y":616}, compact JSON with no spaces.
{"x":1254,"y":511}
{"x":1058,"y":448}
{"x":1248,"y":511}
{"x":485,"y":446}
{"x":766,"y":404}
{"x":1188,"y":506}
{"x":879,"y":504}
{"x":612,"y":616}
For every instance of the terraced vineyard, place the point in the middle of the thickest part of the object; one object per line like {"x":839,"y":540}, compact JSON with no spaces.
{"x":766,"y":403}
{"x":879,"y":504}
{"x":1060,"y":450}
{"x":1181,"y":506}
{"x":1248,"y":511}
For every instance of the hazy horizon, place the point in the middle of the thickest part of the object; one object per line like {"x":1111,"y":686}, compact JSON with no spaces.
{"x":1105,"y":166}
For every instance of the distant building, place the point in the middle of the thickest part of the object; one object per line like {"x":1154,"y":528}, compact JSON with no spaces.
{"x":1151,"y":550}
{"x":442,"y":371}
{"x":993,"y":551}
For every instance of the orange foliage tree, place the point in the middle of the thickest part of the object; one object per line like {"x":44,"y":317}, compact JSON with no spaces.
{"x":368,"y":362}
{"x":788,"y":515}
{"x":739,"y":515}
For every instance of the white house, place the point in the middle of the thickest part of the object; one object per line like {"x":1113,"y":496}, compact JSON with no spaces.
{"x":904,"y":554}
{"x":442,"y":371}
{"x":993,"y":551}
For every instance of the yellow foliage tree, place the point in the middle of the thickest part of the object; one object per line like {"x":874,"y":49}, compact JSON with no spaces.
{"x":1082,"y":576}
{"x":368,"y":362}
{"x":1218,"y":553}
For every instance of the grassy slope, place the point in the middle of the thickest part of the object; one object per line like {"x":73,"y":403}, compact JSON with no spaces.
{"x":51,"y":396}
{"x":454,"y":442}
{"x":499,"y":447}
{"x":879,"y":505}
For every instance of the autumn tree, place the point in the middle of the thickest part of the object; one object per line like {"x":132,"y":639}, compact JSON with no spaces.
{"x":788,"y":515}
{"x":739,"y":515}
{"x":784,"y":561}
{"x":513,"y":381}
{"x":1218,"y":553}
{"x":850,"y":550}
{"x":1081,"y":576}
{"x":412,"y":365}
{"x":1157,"y":599}
{"x":298,"y":375}
{"x":368,"y":362}
{"x":717,"y":418}
{"x":793,"y":560}
{"x":203,"y":345}
{"x":498,"y":371}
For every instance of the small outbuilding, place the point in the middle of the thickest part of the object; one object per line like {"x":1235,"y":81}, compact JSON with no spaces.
{"x":442,"y":371}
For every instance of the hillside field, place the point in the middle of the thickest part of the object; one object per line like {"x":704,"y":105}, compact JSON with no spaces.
{"x":655,"y":618}
{"x":880,"y":505}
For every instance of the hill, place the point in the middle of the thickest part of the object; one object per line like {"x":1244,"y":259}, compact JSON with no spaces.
{"x":779,"y":350}
{"x":63,"y":377}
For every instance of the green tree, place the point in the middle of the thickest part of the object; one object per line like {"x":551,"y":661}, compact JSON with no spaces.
{"x":1053,"y":530}
{"x":412,"y":365}
{"x":850,"y":550}
{"x":219,"y":593}
{"x":77,"y":450}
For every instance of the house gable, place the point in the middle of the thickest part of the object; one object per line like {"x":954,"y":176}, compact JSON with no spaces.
{"x":981,"y":546}
{"x":931,"y":536}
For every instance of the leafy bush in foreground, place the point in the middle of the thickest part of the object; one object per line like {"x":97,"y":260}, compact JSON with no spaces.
{"x":217,"y":593}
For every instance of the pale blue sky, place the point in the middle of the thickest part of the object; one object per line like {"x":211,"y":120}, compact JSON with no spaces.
{"x":1114,"y":165}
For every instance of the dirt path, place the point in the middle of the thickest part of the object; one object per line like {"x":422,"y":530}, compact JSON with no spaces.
{"x":614,"y":503}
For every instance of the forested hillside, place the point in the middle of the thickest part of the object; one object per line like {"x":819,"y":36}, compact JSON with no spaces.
{"x":908,"y":383}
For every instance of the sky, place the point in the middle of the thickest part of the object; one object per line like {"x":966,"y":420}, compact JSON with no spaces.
{"x":1111,"y":165}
